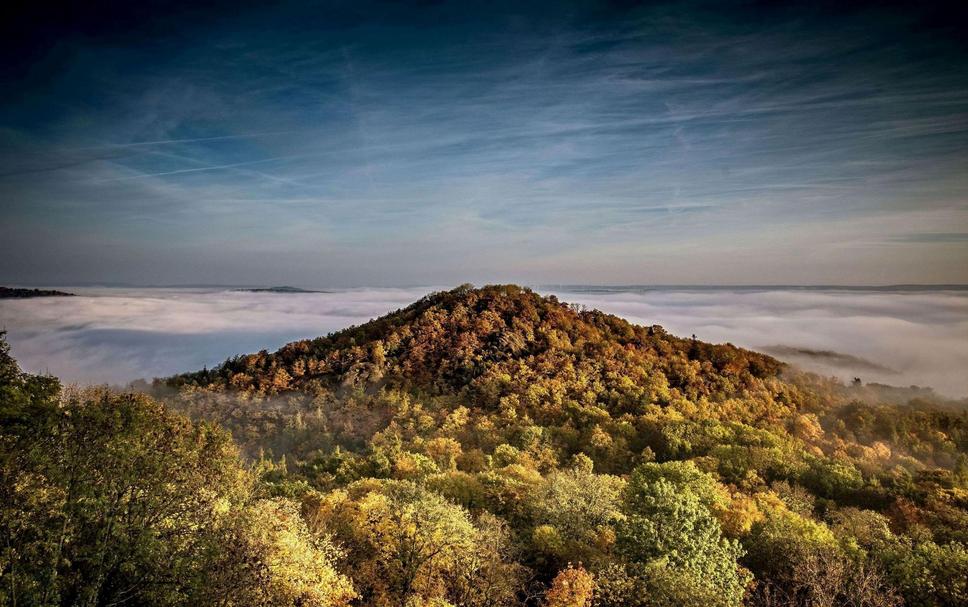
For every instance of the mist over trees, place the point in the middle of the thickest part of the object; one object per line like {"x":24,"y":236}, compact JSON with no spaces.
{"x":482,"y":447}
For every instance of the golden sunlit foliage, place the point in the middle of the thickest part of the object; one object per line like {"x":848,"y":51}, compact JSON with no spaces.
{"x":487,"y":447}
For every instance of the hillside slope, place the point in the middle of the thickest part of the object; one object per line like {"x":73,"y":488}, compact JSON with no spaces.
{"x":483,"y":343}
{"x":669,"y":468}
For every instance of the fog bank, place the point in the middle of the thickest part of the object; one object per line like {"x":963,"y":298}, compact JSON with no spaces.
{"x":118,"y":335}
{"x":901,"y":337}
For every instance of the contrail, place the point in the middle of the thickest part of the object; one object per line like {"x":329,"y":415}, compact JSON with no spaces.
{"x":195,"y":170}
{"x":191,"y":140}
{"x":67,"y":165}
{"x":211,"y":168}
{"x":57,"y":167}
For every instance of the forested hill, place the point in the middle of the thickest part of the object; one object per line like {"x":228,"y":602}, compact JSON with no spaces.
{"x":674,"y":471}
{"x":504,"y":342}
{"x":483,"y":448}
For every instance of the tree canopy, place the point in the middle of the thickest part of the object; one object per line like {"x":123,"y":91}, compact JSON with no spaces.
{"x":484,"y":447}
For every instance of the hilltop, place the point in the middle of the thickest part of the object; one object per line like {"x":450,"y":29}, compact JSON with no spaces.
{"x":478,"y":342}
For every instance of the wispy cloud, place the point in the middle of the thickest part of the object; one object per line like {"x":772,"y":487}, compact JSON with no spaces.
{"x":527,"y":139}
{"x":132,"y":144}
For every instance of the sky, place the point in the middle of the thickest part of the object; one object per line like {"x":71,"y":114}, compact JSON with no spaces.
{"x":341,"y":144}
{"x":116,"y":335}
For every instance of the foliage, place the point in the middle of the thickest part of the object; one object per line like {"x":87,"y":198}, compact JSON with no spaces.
{"x":110,"y":498}
{"x":576,"y":510}
{"x":484,"y":447}
{"x":405,"y":543}
{"x":267,"y":557}
{"x":572,"y":587}
{"x":669,"y":524}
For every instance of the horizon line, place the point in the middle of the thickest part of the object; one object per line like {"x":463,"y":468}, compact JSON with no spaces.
{"x":541,"y":286}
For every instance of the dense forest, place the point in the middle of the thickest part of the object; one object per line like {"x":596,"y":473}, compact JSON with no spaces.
{"x":484,"y":447}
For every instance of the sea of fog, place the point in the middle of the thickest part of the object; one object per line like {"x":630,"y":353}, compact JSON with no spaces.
{"x":115,"y":335}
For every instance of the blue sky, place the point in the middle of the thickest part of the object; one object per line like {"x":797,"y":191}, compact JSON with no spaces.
{"x":343,"y":144}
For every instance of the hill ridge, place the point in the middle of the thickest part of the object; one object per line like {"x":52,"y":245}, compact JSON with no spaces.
{"x":463,"y":339}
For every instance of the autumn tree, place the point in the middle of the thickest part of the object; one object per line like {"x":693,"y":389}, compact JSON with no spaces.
{"x":265,"y":556}
{"x":404,"y":542}
{"x":109,"y":499}
{"x":572,"y":587}
{"x":670,"y":531}
{"x":577,"y":510}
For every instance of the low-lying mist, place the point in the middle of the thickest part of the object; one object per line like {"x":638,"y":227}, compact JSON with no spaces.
{"x":118,"y":335}
{"x":899,"y":337}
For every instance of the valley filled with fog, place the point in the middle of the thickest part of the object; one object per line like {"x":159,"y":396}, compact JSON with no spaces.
{"x":116,"y":335}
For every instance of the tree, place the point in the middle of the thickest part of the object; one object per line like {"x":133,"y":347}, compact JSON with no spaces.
{"x":825,"y":577}
{"x":104,"y":497}
{"x":581,"y":507}
{"x":572,"y":587}
{"x":655,"y":584}
{"x":266,"y":557}
{"x":491,"y":577}
{"x":775,"y":543}
{"x":110,"y":499}
{"x":669,"y":528}
{"x":930,"y":574}
{"x":403,"y":541}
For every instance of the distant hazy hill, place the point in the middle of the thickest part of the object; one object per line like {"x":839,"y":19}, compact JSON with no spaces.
{"x":15,"y":293}
{"x":279,"y":290}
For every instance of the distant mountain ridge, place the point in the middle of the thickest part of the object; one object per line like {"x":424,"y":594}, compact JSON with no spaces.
{"x":283,"y":289}
{"x":18,"y":293}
